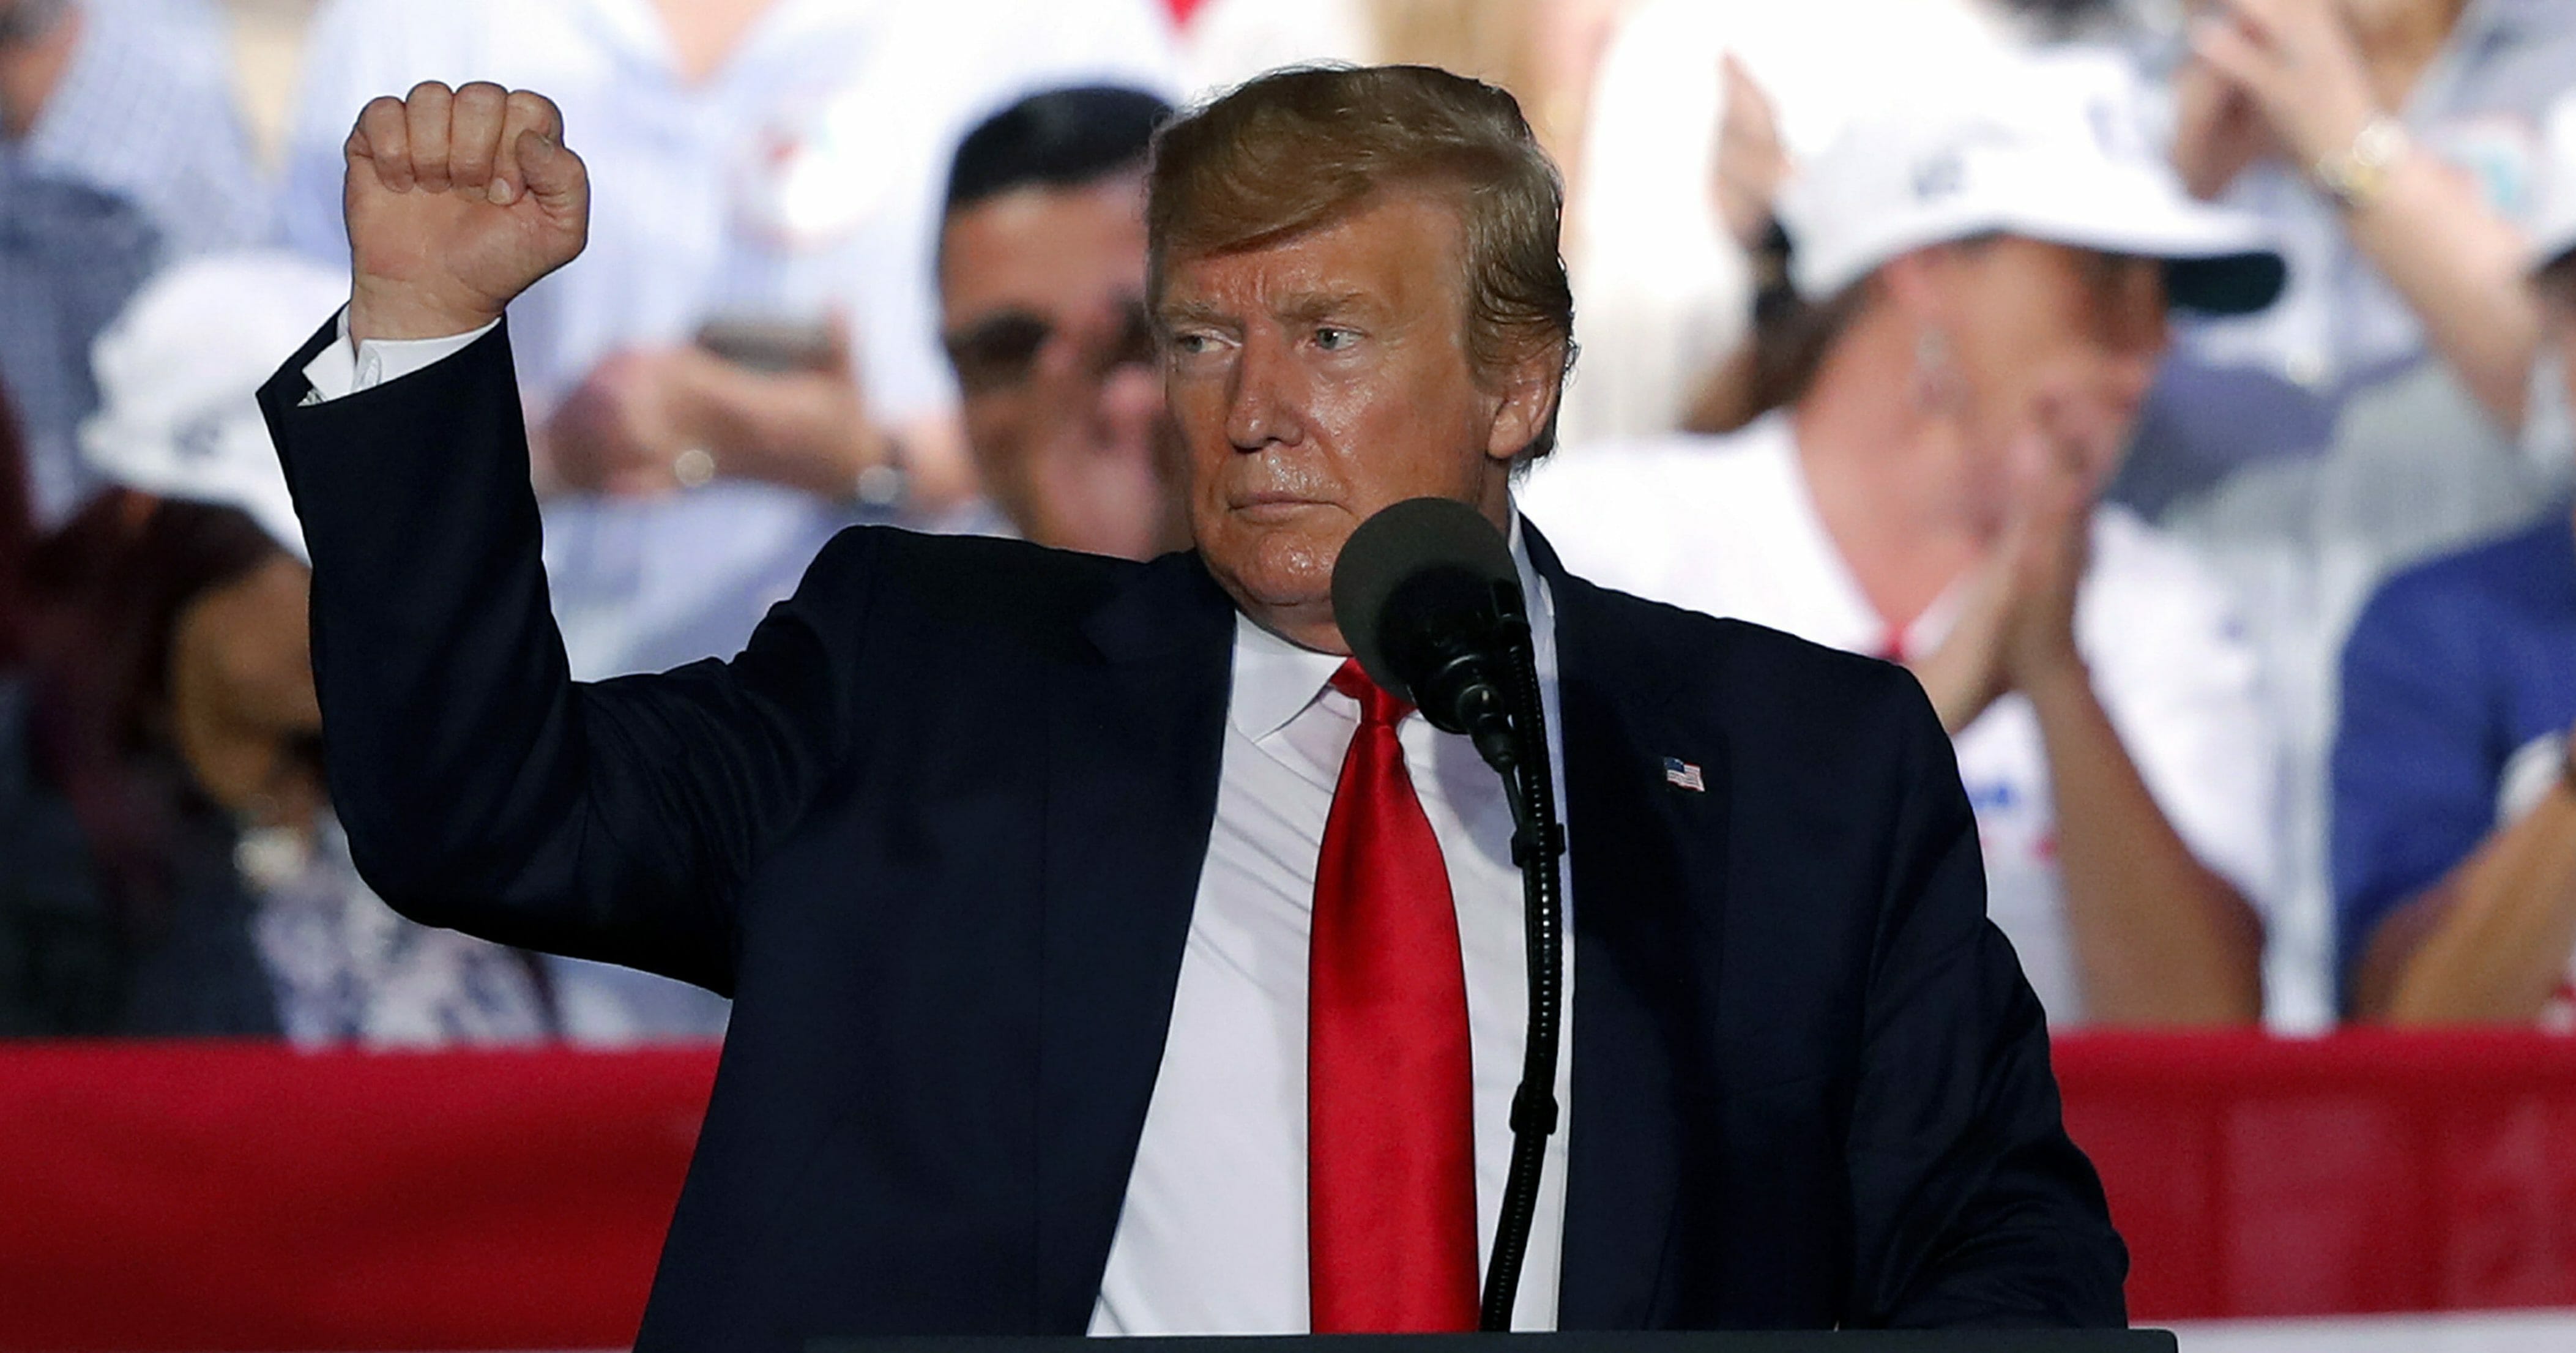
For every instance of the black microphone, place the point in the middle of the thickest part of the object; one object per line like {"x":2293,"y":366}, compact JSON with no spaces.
{"x":1426,"y":596}
{"x":1428,"y":599}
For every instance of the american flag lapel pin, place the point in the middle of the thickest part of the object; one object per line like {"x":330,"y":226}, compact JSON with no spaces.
{"x":1684,"y":775}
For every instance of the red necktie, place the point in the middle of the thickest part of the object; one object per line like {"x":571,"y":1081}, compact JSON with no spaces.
{"x":1390,"y":1142}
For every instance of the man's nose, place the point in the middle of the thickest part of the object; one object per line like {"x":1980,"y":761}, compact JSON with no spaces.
{"x":1262,"y":403}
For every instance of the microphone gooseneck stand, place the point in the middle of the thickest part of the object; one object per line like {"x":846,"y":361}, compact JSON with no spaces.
{"x":1538,"y":846}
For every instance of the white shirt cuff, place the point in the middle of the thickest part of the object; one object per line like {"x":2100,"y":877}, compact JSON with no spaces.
{"x":344,"y":368}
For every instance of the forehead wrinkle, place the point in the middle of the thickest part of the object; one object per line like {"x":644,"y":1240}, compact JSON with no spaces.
{"x":1173,"y":313}
{"x":1306,"y":307}
{"x":1305,"y":277}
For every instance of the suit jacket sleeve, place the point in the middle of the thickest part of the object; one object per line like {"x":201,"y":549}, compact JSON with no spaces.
{"x":480,"y":786}
{"x":1973,"y":1206}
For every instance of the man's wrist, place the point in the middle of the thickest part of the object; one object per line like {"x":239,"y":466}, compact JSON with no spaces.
{"x":377,"y":312}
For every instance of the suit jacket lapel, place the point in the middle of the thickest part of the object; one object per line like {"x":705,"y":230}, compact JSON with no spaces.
{"x":1133,"y":756}
{"x":1632,"y":958}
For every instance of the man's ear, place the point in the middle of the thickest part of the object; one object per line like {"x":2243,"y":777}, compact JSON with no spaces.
{"x":1525,"y":402}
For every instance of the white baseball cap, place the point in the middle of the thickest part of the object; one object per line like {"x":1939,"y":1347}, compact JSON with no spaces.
{"x":179,"y":372}
{"x":2051,"y":147}
{"x":2553,"y":222}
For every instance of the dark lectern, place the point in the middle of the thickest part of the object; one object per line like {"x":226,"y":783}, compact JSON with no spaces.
{"x":1746,"y":1341}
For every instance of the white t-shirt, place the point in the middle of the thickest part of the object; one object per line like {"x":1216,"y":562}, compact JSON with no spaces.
{"x":1726,"y":526}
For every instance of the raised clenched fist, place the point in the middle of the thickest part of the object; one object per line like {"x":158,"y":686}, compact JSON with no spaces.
{"x":457,"y":201}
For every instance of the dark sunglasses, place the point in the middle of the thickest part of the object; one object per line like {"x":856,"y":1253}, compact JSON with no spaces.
{"x":998,"y":353}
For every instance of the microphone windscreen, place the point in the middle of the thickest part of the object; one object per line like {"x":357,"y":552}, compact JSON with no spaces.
{"x":1414,"y":547}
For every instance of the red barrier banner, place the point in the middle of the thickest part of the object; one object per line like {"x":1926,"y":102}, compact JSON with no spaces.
{"x":2366,"y":1172}
{"x":221,"y":1196}
{"x":245,"y":1196}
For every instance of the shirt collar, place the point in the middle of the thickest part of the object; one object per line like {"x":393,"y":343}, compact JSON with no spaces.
{"x":1275,"y":680}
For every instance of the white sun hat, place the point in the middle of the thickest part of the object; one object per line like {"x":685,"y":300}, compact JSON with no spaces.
{"x":178,"y":373}
{"x":2553,"y":220}
{"x":2051,"y":147}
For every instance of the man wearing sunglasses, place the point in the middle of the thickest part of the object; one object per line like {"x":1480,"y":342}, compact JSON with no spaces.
{"x":1042,"y":297}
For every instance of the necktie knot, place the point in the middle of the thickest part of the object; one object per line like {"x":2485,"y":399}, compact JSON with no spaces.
{"x":1377,"y":705}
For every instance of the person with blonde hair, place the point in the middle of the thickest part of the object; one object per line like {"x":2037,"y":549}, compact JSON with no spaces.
{"x":1110,"y":951}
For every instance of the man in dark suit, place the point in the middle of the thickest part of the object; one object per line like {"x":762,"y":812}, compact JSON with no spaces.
{"x":1108,"y":953}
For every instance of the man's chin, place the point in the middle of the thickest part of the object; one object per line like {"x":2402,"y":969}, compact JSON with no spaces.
{"x":1300,"y":591}
{"x":1283,"y":580}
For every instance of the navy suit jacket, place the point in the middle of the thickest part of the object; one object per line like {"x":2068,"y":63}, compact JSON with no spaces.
{"x":939,"y":828}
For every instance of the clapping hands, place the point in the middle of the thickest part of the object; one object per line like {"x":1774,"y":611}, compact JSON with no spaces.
{"x":2016,"y":625}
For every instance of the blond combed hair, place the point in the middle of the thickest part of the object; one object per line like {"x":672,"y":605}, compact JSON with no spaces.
{"x":1297,"y":149}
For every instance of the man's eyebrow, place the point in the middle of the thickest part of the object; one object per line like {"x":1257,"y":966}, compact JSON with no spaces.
{"x":1306,"y":307}
{"x":1009,"y":319}
{"x":1173,"y":313}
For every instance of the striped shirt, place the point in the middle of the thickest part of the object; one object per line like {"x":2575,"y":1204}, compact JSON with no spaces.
{"x":145,"y":111}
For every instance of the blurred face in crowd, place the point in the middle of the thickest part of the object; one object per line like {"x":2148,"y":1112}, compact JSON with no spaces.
{"x":1042,"y":291}
{"x":241,"y":681}
{"x":2036,"y":335}
{"x":1321,"y":377}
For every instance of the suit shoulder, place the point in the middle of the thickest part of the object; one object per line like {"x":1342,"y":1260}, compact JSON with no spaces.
{"x":960,"y":588}
{"x":1752,"y":668}
{"x":983,"y":574}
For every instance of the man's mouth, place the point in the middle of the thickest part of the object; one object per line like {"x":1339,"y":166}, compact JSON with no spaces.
{"x":1272,"y":505}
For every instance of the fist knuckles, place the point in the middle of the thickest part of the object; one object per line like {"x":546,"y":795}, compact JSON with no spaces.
{"x":467,"y":140}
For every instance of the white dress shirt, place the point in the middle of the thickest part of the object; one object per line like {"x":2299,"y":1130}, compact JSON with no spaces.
{"x":1212,"y":1236}
{"x":1212,"y":1239}
{"x":1727,"y":526}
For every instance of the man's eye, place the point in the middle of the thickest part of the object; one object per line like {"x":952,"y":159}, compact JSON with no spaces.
{"x":998,"y":353}
{"x":1331,"y":339}
{"x":1191,"y":345}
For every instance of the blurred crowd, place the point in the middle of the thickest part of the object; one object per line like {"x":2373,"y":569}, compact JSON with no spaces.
{"x":2179,"y":387}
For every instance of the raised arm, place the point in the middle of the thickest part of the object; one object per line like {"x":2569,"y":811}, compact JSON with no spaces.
{"x":482,"y":788}
{"x":2288,"y":72}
